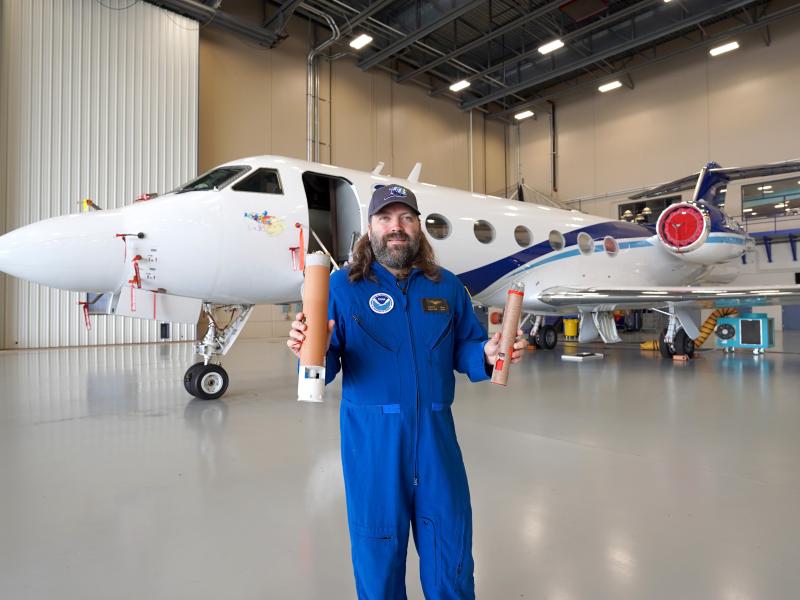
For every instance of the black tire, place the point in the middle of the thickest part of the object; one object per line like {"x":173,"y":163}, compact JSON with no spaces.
{"x":684,"y":345}
{"x":667,"y":351}
{"x":190,"y":376}
{"x":546,"y":338}
{"x":209,"y":383}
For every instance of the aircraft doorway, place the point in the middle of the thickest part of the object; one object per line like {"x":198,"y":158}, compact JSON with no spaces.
{"x":333,"y":213}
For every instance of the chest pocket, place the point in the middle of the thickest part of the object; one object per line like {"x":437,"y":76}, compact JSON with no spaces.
{"x":442,"y":333}
{"x":370,"y":334}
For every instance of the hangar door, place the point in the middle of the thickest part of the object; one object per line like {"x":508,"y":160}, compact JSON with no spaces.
{"x":99,"y":104}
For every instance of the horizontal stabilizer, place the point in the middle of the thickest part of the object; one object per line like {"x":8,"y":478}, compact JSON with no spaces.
{"x":730,"y":173}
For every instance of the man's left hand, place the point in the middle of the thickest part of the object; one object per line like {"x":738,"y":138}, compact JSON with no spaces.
{"x":492,"y":348}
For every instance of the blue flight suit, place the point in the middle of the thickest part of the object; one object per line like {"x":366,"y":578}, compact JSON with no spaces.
{"x":402,"y":464}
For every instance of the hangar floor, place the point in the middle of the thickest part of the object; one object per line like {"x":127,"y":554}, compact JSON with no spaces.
{"x":625,"y":478}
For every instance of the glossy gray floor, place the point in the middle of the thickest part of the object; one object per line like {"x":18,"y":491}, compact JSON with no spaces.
{"x":630,"y":477}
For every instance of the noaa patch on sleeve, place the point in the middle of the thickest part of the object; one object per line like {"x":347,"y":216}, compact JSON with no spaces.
{"x":381,"y":303}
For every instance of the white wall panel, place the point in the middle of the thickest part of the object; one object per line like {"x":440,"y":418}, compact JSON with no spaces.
{"x":96,"y":103}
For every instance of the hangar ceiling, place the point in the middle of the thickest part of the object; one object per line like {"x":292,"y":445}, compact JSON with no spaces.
{"x":494,"y":44}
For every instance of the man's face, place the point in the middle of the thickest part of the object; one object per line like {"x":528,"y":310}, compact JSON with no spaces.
{"x":394,"y":234}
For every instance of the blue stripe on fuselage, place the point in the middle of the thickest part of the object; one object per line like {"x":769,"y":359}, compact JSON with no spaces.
{"x":479,"y":279}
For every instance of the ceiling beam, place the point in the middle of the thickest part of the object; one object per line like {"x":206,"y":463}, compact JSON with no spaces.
{"x":703,"y":43}
{"x":612,"y":50}
{"x":412,"y":37}
{"x":515,"y":24}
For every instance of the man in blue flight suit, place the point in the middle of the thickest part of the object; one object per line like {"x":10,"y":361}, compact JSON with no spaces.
{"x":400,"y":325}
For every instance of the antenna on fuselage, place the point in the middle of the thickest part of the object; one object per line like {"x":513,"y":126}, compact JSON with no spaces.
{"x":378,"y":168}
{"x":414,"y":175}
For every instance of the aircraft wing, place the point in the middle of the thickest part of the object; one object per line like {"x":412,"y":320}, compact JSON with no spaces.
{"x":688,"y":182}
{"x":632,"y":297}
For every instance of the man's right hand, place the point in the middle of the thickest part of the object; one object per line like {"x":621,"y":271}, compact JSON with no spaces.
{"x":297,"y":334}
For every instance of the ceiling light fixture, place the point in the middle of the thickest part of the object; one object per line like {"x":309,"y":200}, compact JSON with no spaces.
{"x":459,"y":85}
{"x":523,"y":115}
{"x":359,"y":42}
{"x":724,"y":48}
{"x":611,"y":85}
{"x":550,"y":46}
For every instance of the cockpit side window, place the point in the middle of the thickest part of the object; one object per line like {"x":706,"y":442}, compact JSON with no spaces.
{"x":263,"y":181}
{"x":215,"y":179}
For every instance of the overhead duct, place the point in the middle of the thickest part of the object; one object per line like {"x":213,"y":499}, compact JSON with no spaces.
{"x":207,"y":14}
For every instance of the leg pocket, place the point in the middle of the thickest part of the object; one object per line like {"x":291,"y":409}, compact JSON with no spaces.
{"x":378,"y":562}
{"x":445,"y":549}
{"x":426,"y":541}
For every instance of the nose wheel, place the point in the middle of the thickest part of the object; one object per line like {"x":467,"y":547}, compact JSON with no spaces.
{"x":206,"y":382}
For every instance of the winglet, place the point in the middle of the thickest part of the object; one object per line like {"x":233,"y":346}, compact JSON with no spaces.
{"x":378,"y":168}
{"x":414,"y":175}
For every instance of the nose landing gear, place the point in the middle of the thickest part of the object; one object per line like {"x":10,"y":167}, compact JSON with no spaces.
{"x":208,"y":380}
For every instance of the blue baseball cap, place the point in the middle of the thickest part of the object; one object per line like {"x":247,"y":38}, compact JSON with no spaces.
{"x":389,"y":194}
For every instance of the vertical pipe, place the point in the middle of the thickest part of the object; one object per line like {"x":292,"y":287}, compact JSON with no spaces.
{"x":519,"y":153}
{"x":471,"y":161}
{"x":553,"y":147}
{"x":312,"y":83}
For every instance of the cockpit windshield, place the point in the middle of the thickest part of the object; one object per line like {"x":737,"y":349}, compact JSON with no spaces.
{"x":216,"y":179}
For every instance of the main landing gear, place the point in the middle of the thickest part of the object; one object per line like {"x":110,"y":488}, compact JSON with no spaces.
{"x":544,"y":337}
{"x":674,"y":341}
{"x":207,"y":380}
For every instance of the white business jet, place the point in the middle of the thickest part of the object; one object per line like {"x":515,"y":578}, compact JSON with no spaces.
{"x":237,"y":236}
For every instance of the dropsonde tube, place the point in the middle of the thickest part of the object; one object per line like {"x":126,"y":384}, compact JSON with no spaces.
{"x":511,"y":316}
{"x":311,"y":375}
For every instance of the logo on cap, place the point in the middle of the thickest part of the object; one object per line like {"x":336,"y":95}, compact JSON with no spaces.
{"x":396,"y":191}
{"x":381,"y":303}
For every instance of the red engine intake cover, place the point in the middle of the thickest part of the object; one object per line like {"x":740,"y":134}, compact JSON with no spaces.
{"x":683,"y":227}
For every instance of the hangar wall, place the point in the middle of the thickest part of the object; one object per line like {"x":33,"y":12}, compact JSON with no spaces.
{"x":253,"y":101}
{"x":96,"y":103}
{"x":735,"y":109}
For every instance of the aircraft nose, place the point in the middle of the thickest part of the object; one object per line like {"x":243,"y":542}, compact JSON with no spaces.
{"x":73,"y":252}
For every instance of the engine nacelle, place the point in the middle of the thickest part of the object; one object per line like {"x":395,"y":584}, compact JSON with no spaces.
{"x":684,"y":229}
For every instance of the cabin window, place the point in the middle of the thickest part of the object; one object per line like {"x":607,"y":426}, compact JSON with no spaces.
{"x":438,"y":227}
{"x":523,"y":235}
{"x":216,"y":179}
{"x":585,"y":243}
{"x":484,"y":232}
{"x":556,"y":239}
{"x":263,"y":181}
{"x":610,"y":245}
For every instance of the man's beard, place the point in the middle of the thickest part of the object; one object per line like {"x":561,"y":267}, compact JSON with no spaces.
{"x":396,"y":257}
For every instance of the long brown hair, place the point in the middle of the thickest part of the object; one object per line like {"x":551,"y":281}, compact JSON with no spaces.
{"x":361,"y":265}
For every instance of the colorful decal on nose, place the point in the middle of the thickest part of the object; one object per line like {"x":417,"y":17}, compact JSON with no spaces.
{"x":381,"y":303}
{"x":265,"y":222}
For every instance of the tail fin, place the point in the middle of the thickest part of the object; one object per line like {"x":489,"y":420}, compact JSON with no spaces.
{"x":709,"y":183}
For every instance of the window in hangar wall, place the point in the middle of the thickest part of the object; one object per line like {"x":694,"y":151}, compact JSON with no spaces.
{"x":645,"y":211}
{"x":771,"y":198}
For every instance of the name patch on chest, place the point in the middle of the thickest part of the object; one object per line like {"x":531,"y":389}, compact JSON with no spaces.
{"x":438,"y":305}
{"x":381,"y":303}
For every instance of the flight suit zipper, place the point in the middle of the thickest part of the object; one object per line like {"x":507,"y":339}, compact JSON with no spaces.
{"x":416,"y":376}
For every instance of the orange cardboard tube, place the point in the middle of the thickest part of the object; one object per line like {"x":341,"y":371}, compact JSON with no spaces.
{"x":311,"y":381}
{"x":511,"y":316}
